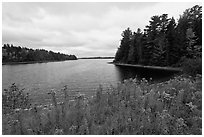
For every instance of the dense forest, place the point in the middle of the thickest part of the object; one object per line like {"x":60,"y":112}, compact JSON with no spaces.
{"x":164,"y":42}
{"x":12,"y":53}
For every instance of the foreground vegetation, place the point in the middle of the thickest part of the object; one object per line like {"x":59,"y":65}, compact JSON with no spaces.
{"x":133,"y":107}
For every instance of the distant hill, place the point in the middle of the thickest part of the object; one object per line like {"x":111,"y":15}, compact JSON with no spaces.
{"x":12,"y":53}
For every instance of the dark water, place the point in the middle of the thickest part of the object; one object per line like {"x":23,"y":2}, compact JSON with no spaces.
{"x":79,"y":75}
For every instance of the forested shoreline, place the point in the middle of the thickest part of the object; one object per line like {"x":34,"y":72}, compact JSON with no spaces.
{"x":12,"y":54}
{"x":164,"y":41}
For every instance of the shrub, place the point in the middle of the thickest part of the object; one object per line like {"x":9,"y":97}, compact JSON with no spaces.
{"x":14,"y":98}
{"x":133,"y":107}
{"x":192,"y":66}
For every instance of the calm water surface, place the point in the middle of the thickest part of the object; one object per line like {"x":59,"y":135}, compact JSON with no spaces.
{"x":79,"y":75}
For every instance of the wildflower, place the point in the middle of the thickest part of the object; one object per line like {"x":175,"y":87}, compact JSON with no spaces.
{"x":73,"y":128}
{"x":30,"y":131}
{"x":17,"y":110}
{"x":52,"y":92}
{"x":65,"y":87}
{"x":182,"y":90}
{"x":72,"y":100}
{"x":148,"y":118}
{"x":191,"y":105}
{"x":26,"y":109}
{"x":142,"y":110}
{"x":180,"y":122}
{"x":148,"y":109}
{"x":60,"y":103}
{"x":40,"y":106}
{"x":15,"y":121}
{"x":30,"y":109}
{"x":167,"y":96}
{"x":86,"y":125}
{"x":129,"y":119}
{"x":45,"y":108}
{"x":134,"y":80}
{"x":123,"y":102}
{"x":79,"y":95}
{"x":165,"y":111}
{"x":165,"y":114}
{"x":58,"y":132}
{"x":165,"y":130}
{"x":173,"y":88}
{"x":142,"y":126}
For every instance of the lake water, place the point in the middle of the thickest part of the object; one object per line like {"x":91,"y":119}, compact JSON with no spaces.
{"x":83,"y":75}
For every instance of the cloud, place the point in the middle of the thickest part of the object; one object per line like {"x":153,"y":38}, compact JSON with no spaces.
{"x":83,"y":29}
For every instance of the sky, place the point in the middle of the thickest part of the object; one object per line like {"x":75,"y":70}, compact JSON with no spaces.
{"x":83,"y":29}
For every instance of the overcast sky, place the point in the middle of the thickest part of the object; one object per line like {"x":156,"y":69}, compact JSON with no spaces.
{"x":82,"y":29}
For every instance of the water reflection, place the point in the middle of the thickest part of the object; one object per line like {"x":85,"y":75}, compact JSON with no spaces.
{"x":124,"y":72}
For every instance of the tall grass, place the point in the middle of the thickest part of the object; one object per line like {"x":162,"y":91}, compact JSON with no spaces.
{"x":133,"y":107}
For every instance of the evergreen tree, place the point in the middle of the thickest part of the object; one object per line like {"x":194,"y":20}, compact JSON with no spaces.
{"x":156,"y":33}
{"x":135,"y":51}
{"x":123,"y":50}
{"x":191,"y":19}
{"x":172,"y":50}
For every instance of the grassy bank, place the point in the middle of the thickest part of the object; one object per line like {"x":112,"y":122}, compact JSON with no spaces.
{"x":133,"y":107}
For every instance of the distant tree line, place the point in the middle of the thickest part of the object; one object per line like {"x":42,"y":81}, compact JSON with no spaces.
{"x":12,"y":53}
{"x":163,"y":42}
{"x":97,"y":58}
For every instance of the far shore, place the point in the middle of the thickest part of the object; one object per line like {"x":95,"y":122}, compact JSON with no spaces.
{"x":96,"y":58}
{"x":33,"y":62}
{"x":30,"y":62}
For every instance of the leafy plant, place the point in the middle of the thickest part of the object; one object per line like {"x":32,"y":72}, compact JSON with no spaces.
{"x":192,"y":66}
{"x":14,"y":98}
{"x":133,"y":107}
